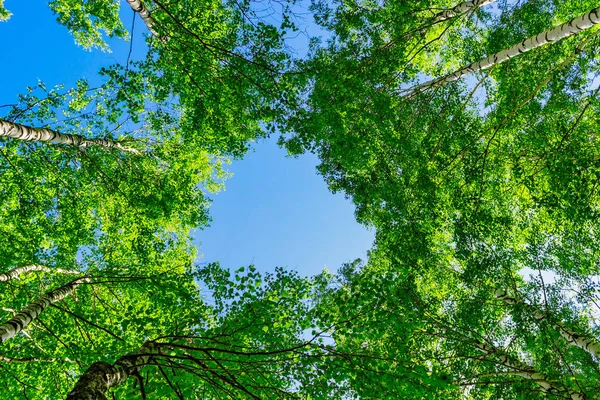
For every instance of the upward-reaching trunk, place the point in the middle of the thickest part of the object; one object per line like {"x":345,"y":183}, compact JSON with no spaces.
{"x":460,"y":8}
{"x":140,"y":8}
{"x":101,"y":376}
{"x":24,"y":317}
{"x":565,"y":30}
{"x":23,"y":132}
{"x":15,"y":273}
{"x":519,"y":368}
{"x":586,"y":343}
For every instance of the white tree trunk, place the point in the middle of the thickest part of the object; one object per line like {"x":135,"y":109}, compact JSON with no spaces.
{"x":140,"y":8}
{"x":565,"y":30}
{"x":101,"y":376}
{"x":15,"y":273}
{"x":519,"y":368}
{"x":24,"y":317}
{"x":588,"y":344}
{"x":459,"y":9}
{"x":22,"y":132}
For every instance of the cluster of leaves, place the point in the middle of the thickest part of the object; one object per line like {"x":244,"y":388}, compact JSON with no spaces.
{"x":4,"y":13}
{"x":90,"y":21}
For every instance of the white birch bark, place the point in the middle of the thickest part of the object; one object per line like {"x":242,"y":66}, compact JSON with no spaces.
{"x":519,"y":368}
{"x":139,"y":7}
{"x":24,"y":317}
{"x":15,"y":273}
{"x":23,"y":132}
{"x":101,"y":376}
{"x":588,"y":344}
{"x":460,"y":9}
{"x":559,"y":32}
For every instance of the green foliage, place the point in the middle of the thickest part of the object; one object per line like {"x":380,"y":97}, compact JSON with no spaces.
{"x":4,"y":13}
{"x":487,"y":160}
{"x":468,"y":185}
{"x":224,"y":66}
{"x":60,"y":201}
{"x":201,"y":95}
{"x":90,"y":20}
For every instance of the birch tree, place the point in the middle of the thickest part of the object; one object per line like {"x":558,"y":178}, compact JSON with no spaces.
{"x":583,"y":341}
{"x":573,"y":27}
{"x":250,"y":340}
{"x":503,"y":159}
{"x":144,"y":13}
{"x":460,"y":8}
{"x":28,"y":133}
{"x":445,"y":333}
{"x":100,"y":376}
{"x":24,"y":317}
{"x":15,"y":273}
{"x":66,"y":197}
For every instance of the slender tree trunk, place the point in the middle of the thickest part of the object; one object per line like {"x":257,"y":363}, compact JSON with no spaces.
{"x":519,"y":368}
{"x":459,"y":9}
{"x":565,"y":30}
{"x":100,"y":376}
{"x":140,"y":8}
{"x":588,"y":344}
{"x":28,"y":133}
{"x":24,"y":317}
{"x":15,"y":273}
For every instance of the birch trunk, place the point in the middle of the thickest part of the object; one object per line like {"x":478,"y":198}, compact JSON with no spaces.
{"x":519,"y":368}
{"x":139,"y":7}
{"x":15,"y":273}
{"x":459,"y":9}
{"x":22,"y":132}
{"x":565,"y":30}
{"x":100,"y":376}
{"x":588,"y":344}
{"x":24,"y":317}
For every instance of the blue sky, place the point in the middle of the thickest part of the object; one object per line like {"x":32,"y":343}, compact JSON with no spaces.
{"x":275,"y":211}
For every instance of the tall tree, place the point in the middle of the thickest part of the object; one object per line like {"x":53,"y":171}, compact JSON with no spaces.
{"x":438,"y":334}
{"x":28,"y":133}
{"x":573,"y":27}
{"x":24,"y":317}
{"x":156,"y":336}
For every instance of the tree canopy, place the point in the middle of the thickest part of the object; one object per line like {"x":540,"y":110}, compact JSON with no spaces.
{"x":465,"y":133}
